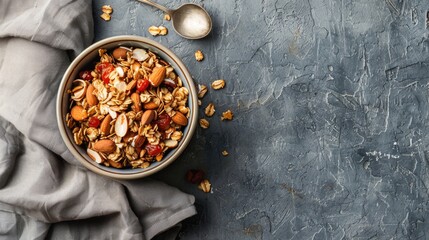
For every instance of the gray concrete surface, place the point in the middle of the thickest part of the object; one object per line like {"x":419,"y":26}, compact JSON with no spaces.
{"x":329,"y":138}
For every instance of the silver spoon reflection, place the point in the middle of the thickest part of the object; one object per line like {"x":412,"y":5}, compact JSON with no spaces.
{"x":190,"y":21}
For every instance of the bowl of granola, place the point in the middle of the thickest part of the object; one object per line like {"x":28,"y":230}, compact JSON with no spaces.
{"x":127,"y":107}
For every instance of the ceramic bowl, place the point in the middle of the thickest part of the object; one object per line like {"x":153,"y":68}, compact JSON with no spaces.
{"x":87,"y":58}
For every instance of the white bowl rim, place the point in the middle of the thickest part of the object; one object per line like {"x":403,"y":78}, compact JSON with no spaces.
{"x":185,"y":140}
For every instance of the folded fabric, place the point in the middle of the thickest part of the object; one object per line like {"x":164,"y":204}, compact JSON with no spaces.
{"x":44,"y":191}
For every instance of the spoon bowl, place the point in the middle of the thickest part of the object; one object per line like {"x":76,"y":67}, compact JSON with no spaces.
{"x":190,"y":20}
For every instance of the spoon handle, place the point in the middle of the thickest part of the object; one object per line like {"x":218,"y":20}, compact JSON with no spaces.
{"x":160,"y":7}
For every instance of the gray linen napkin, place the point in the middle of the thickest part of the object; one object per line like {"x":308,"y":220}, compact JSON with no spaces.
{"x":41,"y":195}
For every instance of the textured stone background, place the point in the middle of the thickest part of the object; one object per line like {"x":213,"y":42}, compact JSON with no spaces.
{"x":330,"y":97}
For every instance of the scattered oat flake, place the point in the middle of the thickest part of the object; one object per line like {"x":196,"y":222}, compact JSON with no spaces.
{"x":225,"y":153}
{"x":218,"y":84}
{"x":204,"y":123}
{"x":167,"y":17}
{"x":199,"y":55}
{"x":210,"y":110}
{"x":202,"y":90}
{"x":105,"y":16}
{"x":205,"y":186}
{"x":154,"y":30}
{"x":107,"y":9}
{"x":162,"y":30}
{"x":228,"y":115}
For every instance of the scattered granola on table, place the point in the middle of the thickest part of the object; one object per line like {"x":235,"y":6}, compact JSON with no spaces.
{"x":202,"y":90}
{"x":106,"y":17}
{"x":225,"y":153}
{"x":163,"y":30}
{"x":205,"y":186}
{"x":107,"y":10}
{"x":199,"y":55}
{"x":204,"y":123}
{"x":155,"y":31}
{"x":210,"y":110}
{"x":218,"y":84}
{"x":129,"y":109}
{"x":228,"y":115}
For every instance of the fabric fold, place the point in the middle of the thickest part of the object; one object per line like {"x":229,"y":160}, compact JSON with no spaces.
{"x":44,"y":191}
{"x":64,"y":24}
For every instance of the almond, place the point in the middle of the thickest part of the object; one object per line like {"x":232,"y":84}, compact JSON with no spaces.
{"x":105,"y":146}
{"x":157,"y":76}
{"x":135,"y":69}
{"x":78,"y":113}
{"x":114,"y":164}
{"x":140,"y":54}
{"x":138,"y":141}
{"x":113,"y":114}
{"x":131,"y":85}
{"x":94,"y":155}
{"x":148,"y":117}
{"x":120,"y":53}
{"x":121,"y":125}
{"x":129,"y":136}
{"x":105,"y":125}
{"x":180,"y":119}
{"x":91,"y":99}
{"x":135,"y":97}
{"x":150,"y":105}
{"x":79,"y":91}
{"x":171,"y":143}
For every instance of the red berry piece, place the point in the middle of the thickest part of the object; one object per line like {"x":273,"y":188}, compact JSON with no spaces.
{"x":94,"y":122}
{"x":142,"y":85}
{"x":163,"y":121}
{"x":153,"y":150}
{"x":105,"y":69}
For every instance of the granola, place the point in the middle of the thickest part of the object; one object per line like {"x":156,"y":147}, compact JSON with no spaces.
{"x":205,"y":186}
{"x":218,"y":84}
{"x":202,"y":90}
{"x":225,"y":153}
{"x":155,"y":31}
{"x":107,"y":10}
{"x":129,"y":110}
{"x":204,"y":123}
{"x":228,"y":115}
{"x":209,"y":110}
{"x":199,"y":56}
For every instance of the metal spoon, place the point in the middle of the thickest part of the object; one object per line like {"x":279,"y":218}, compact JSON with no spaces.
{"x":190,"y":21}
